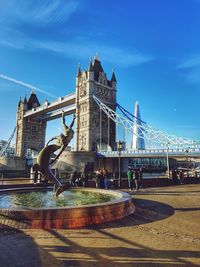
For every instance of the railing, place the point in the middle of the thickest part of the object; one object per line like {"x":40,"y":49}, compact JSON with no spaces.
{"x":153,"y":151}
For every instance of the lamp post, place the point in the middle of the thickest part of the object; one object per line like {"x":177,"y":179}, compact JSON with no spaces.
{"x":119,"y":149}
{"x":167,"y":152}
{"x":187,"y":162}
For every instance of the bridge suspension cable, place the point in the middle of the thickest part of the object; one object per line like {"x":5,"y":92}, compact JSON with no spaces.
{"x":4,"y":149}
{"x":128,"y":115}
{"x":146,"y":132}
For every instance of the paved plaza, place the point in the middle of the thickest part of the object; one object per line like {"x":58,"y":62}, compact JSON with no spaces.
{"x":164,"y":231}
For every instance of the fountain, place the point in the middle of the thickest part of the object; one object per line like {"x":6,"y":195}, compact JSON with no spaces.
{"x":42,"y":208}
{"x":113,"y":205}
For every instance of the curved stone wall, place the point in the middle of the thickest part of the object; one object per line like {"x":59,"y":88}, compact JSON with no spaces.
{"x":69,"y":217}
{"x":12,"y":163}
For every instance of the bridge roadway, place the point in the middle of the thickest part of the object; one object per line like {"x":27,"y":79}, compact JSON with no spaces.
{"x":49,"y":111}
{"x":150,"y":153}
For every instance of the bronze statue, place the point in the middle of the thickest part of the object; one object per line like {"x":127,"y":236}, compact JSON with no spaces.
{"x":44,"y":162}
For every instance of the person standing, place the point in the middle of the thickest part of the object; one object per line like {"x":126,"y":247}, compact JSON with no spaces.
{"x":98,"y":178}
{"x":130,"y":179}
{"x":105,"y":179}
{"x":136,"y":179}
{"x":181,"y":176}
{"x":83,"y":178}
{"x":141,"y":177}
{"x":101,"y":179}
{"x":174,"y":176}
{"x":72,"y":178}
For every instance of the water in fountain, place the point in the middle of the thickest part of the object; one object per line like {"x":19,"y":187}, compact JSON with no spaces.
{"x":46,"y":199}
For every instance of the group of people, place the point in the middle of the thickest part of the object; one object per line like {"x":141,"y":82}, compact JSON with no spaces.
{"x":102,"y":179}
{"x":76,"y":179}
{"x":135,"y":177}
{"x":177,"y":176}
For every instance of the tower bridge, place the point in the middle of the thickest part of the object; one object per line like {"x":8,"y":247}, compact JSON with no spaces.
{"x":94,"y":103}
{"x":92,"y":127}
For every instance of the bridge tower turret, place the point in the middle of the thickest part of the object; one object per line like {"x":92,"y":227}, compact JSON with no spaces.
{"x":94,"y":128}
{"x":30,"y":131}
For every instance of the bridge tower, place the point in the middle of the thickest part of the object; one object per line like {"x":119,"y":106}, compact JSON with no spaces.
{"x":94,"y":130}
{"x":30,"y":131}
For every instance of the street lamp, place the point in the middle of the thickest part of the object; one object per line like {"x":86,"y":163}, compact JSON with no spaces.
{"x":119,"y":149}
{"x":167,"y":152}
{"x":187,"y":162}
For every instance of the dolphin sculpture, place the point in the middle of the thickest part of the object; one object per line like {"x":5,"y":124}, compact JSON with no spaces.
{"x":44,"y":161}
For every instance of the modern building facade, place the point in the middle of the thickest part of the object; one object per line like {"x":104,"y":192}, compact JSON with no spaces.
{"x":137,"y":137}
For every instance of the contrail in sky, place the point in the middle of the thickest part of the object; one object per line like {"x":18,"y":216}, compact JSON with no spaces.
{"x":27,"y":85}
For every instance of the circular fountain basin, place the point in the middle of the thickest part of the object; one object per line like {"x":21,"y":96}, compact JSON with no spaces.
{"x":75,"y":208}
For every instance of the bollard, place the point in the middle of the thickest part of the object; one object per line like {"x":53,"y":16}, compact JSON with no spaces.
{"x":39,"y":178}
{"x":32,"y":176}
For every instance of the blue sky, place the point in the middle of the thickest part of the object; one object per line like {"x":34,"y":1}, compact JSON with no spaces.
{"x":154,"y":47}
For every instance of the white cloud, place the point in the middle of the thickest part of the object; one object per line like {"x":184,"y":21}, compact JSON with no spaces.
{"x":41,"y":13}
{"x":192,"y":62}
{"x":122,"y":57}
{"x":190,"y":69}
{"x":83,"y":50}
{"x":46,"y":13}
{"x":193,"y":76}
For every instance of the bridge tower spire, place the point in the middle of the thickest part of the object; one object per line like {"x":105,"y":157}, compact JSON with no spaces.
{"x":30,"y":132}
{"x":137,"y":136}
{"x":93,"y":127}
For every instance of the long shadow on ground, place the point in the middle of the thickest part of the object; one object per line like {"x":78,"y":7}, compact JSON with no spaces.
{"x":146,"y":211}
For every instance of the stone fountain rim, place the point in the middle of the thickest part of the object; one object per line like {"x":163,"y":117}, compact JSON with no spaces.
{"x":122,"y":197}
